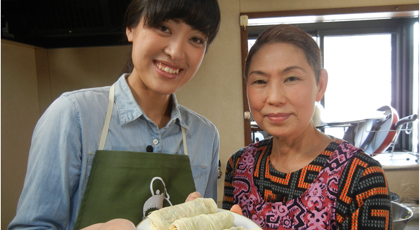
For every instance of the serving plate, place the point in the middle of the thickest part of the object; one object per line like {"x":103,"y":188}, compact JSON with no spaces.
{"x":238,"y":221}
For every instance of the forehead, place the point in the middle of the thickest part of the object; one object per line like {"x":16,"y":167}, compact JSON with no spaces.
{"x":279,"y":53}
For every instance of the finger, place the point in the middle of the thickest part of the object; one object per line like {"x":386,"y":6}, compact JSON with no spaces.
{"x":236,"y":209}
{"x":193,"y":196}
{"x":118,"y":224}
{"x":93,"y":227}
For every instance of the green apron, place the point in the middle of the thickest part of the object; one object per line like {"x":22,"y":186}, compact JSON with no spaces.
{"x":130,"y":185}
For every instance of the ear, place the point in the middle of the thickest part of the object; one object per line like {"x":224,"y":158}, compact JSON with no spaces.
{"x":322,"y":84}
{"x":129,"y":32}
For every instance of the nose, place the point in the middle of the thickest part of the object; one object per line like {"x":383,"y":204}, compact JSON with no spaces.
{"x":276,"y":95}
{"x":175,"y":48}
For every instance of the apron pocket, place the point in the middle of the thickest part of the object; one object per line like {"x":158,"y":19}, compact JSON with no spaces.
{"x":128,"y":185}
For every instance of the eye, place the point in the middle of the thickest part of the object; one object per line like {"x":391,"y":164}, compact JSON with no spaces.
{"x":164,"y":28}
{"x":258,"y":82}
{"x":291,"y":79}
{"x":198,"y":40}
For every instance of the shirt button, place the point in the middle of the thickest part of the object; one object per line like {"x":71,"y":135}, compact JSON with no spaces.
{"x":155,"y":141}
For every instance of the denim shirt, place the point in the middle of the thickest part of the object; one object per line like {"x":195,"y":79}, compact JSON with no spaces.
{"x":67,"y":136}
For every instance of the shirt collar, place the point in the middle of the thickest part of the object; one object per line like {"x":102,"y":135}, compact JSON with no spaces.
{"x":129,"y":110}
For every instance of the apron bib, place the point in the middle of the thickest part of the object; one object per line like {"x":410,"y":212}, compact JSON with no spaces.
{"x":130,"y":185}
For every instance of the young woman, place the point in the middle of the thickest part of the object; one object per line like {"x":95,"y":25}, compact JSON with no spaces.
{"x":69,"y":184}
{"x":300,"y":178}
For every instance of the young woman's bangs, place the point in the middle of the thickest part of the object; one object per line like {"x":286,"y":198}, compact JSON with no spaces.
{"x":202,"y":15}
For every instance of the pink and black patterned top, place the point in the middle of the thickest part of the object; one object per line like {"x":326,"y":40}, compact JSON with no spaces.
{"x":342,"y":188}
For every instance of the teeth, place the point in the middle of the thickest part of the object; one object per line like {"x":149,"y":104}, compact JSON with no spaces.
{"x":167,"y":69}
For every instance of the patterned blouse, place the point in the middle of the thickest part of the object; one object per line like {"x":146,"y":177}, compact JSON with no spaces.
{"x":342,"y":188}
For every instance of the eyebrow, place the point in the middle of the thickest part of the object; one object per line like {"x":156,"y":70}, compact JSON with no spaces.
{"x":259,"y":72}
{"x":293,"y":68}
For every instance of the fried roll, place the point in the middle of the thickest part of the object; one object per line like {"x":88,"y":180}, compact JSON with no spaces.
{"x":216,"y":221}
{"x":164,"y":217}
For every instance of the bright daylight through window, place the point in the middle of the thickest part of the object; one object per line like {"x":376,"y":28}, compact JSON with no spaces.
{"x":359,"y":67}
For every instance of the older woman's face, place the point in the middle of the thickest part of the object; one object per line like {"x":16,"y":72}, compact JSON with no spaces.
{"x":282,"y":89}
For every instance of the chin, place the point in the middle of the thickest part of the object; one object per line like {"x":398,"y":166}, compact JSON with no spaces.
{"x":281,"y":135}
{"x":163,"y":89}
{"x":280,"y":132}
{"x":163,"y":92}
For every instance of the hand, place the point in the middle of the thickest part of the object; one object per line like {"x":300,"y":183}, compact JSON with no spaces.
{"x":236,"y":209}
{"x":115,"y":224}
{"x":193,"y":196}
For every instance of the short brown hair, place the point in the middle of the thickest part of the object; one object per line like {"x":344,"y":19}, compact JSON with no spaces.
{"x":292,"y":35}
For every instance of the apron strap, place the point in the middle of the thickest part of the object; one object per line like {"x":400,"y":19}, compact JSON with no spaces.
{"x":184,"y":141}
{"x":108,"y":120}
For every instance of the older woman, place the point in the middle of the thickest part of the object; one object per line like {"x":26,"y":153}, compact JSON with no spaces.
{"x":300,"y":178}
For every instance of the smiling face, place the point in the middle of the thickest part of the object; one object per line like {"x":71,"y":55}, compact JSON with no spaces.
{"x":165,"y":58}
{"x":282,"y":89}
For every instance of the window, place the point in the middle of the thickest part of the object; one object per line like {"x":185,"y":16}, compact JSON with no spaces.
{"x":416,"y":87}
{"x":371,"y":63}
{"x":359,"y":67}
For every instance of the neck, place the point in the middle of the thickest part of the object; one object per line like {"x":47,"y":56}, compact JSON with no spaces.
{"x":291,"y":154}
{"x":156,"y":106}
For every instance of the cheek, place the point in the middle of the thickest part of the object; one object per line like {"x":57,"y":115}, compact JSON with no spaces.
{"x":194,"y":63}
{"x":196,"y":58}
{"x":255,"y":99}
{"x":138,"y":54}
{"x":144,"y":47}
{"x":304,"y":102}
{"x":303,"y":95}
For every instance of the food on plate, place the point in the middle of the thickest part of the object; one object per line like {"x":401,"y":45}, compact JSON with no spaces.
{"x":216,"y":221}
{"x":193,"y":215}
{"x":236,"y":228}
{"x":164,"y":217}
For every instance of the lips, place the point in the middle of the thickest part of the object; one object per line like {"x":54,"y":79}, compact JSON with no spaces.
{"x":167,"y":68}
{"x":278,"y":117}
